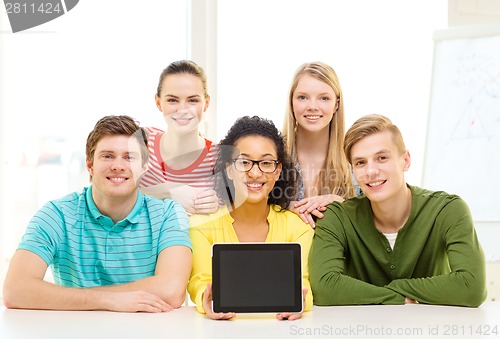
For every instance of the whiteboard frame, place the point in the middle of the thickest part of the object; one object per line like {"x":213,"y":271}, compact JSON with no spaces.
{"x":467,"y":32}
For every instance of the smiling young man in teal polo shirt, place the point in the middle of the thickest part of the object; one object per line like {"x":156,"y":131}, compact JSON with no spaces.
{"x":395,"y":243}
{"x":109,"y":247}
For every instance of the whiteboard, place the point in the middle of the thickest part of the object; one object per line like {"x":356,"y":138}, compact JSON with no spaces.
{"x":462,"y":152}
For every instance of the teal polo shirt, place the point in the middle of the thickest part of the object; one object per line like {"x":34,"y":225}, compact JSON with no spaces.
{"x":85,"y":248}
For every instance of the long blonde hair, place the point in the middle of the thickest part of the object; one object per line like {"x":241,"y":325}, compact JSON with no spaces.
{"x":335,"y":177}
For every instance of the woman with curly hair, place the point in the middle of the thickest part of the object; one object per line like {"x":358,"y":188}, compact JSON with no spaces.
{"x":253,"y":179}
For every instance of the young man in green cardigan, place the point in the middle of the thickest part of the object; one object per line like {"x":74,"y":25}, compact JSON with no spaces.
{"x":396,"y":243}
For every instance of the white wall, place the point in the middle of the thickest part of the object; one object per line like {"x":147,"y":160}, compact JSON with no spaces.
{"x":470,"y":12}
{"x":381,"y":51}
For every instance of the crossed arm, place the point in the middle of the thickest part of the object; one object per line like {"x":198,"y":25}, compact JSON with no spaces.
{"x":194,"y":200}
{"x":464,"y":285}
{"x":329,"y":281}
{"x":25,"y":288}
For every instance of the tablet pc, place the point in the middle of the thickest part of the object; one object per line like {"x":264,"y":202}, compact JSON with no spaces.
{"x":256,"y":277}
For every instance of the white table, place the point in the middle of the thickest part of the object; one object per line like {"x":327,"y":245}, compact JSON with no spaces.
{"x":402,"y":321}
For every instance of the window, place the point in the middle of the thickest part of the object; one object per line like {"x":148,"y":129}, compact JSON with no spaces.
{"x":101,"y":58}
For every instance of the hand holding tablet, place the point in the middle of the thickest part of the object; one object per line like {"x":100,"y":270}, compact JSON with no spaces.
{"x":256,"y":277}
{"x":207,"y":306}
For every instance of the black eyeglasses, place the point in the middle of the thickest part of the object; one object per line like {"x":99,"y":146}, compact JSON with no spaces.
{"x":246,"y":165}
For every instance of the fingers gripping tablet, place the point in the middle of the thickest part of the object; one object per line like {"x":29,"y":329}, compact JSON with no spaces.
{"x":256,"y":277}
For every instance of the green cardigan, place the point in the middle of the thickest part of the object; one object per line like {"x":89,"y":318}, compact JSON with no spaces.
{"x":437,"y":258}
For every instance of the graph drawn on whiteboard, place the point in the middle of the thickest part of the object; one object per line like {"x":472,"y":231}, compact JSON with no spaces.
{"x":478,"y":75}
{"x":463,"y":137}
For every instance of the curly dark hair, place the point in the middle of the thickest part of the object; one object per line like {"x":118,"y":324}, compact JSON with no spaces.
{"x":284,"y":188}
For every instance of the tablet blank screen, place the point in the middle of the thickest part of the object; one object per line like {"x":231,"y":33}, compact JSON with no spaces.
{"x":257,"y":280}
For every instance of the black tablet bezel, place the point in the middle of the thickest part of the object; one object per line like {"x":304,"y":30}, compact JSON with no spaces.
{"x":297,"y":305}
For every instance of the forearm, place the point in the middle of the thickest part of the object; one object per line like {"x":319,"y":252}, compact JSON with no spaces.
{"x":291,"y":205}
{"x":460,"y":278}
{"x":196,"y":287}
{"x":38,"y":294}
{"x":327,"y":271}
{"x":337,"y":289}
{"x":169,"y":282}
{"x":160,"y":191}
{"x":202,"y":261}
{"x":24,"y":287}
{"x":305,"y":240}
{"x":172,"y":292}
{"x":309,"y":296}
{"x":457,"y":288}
